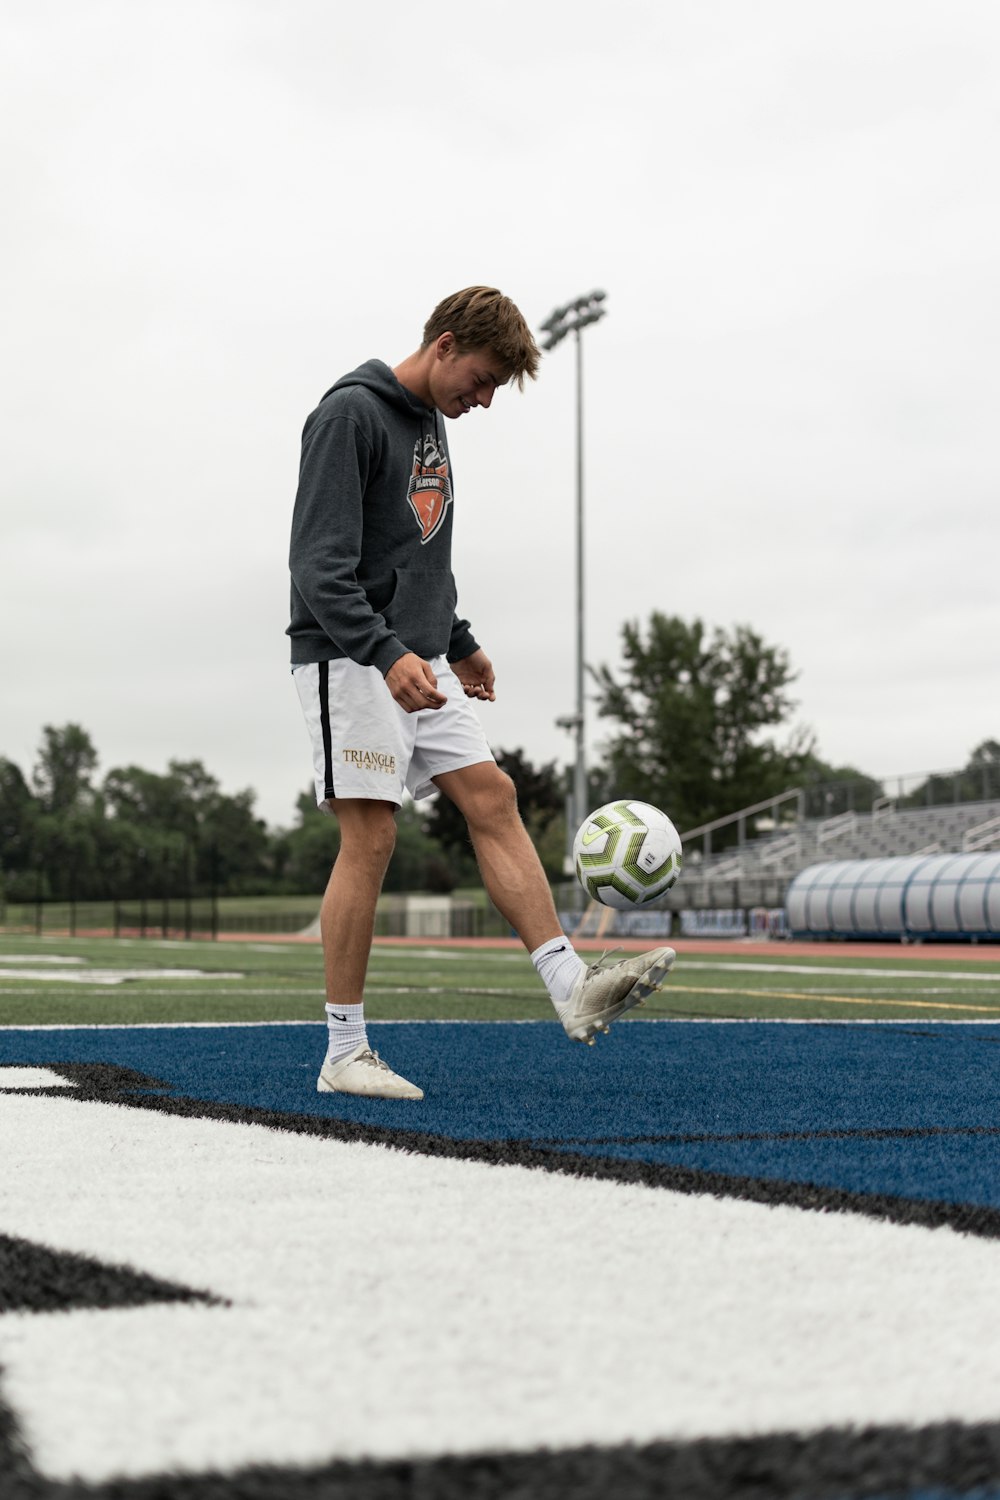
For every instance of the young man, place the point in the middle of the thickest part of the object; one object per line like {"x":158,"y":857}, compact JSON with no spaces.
{"x":385,"y":670}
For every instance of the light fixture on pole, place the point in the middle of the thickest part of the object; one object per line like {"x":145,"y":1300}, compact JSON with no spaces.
{"x":572,"y":318}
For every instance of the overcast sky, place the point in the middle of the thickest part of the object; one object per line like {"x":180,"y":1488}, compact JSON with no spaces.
{"x":214,"y":209}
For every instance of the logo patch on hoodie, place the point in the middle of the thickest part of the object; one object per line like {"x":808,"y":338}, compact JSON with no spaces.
{"x":429,"y":489}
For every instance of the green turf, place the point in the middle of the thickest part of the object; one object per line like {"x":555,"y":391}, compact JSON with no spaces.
{"x":121,"y":982}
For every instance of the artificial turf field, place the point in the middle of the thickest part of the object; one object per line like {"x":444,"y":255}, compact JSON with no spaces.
{"x":748,"y":1244}
{"x":74,"y":981}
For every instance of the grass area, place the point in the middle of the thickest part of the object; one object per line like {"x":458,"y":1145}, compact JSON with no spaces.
{"x":199,"y":914}
{"x":847,"y":989}
{"x":61,"y":980}
{"x":203,"y":917}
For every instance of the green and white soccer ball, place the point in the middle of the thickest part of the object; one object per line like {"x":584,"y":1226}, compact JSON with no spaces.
{"x":626,"y":854}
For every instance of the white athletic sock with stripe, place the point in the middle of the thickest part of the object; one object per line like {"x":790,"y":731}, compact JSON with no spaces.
{"x":346,"y":1027}
{"x":559,"y":967}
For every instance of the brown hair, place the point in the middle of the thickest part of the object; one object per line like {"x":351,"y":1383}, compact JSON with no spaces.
{"x":480,"y":317}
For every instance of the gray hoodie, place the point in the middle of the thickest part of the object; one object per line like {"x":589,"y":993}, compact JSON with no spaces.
{"x":370,"y":552}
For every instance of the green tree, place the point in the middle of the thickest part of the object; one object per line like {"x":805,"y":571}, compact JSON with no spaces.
{"x":831,"y":790}
{"x":185,"y":829}
{"x":541,"y":798}
{"x":418,"y":862}
{"x":66,"y":762}
{"x":977,"y":781}
{"x":233,"y":845}
{"x":303,"y":856}
{"x":19,"y":816}
{"x":67,"y":851}
{"x":148,"y":799}
{"x":983,"y":771}
{"x":688,"y":718}
{"x":65,"y":842}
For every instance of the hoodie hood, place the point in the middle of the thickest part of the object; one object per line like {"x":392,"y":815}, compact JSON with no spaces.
{"x":376,"y":376}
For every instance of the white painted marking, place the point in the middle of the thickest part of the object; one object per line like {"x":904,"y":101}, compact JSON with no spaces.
{"x":821,"y":970}
{"x":38,"y":958}
{"x":392,"y":1305}
{"x":214,"y":1025}
{"x":31,"y":1078}
{"x":113,"y":976}
{"x":389,"y":956}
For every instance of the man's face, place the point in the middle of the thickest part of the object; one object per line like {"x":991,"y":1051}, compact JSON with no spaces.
{"x":462,"y":380}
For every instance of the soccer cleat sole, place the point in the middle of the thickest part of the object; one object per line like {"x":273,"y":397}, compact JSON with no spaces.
{"x":326,"y":1088}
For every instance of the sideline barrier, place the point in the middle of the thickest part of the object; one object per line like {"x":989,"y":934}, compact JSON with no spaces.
{"x":912,"y":898}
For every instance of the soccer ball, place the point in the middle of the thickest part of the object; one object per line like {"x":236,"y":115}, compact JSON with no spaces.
{"x":627,"y":853}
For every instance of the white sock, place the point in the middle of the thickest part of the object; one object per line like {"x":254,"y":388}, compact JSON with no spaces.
{"x":346,"y":1027}
{"x":559,"y":967}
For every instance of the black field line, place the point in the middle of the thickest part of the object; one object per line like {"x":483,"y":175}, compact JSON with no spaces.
{"x":827,"y":1465}
{"x":18,"y":1480}
{"x":37,"y":1279}
{"x":34,"y":1278}
{"x":887,"y":1133}
{"x":830,"y":1464}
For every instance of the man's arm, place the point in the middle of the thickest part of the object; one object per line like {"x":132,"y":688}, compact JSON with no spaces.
{"x":325,"y":544}
{"x":475,"y":673}
{"x":413,"y":684}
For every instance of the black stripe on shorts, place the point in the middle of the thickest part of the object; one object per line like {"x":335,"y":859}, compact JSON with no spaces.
{"x":324,"y":721}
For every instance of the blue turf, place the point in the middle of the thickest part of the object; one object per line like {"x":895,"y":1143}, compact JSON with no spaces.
{"x":526,"y":1082}
{"x":979,"y":1493}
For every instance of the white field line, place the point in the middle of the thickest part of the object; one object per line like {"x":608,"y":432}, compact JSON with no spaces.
{"x":38,"y":958}
{"x":296,"y":993}
{"x":911,"y":974}
{"x":734,"y":1319}
{"x":385,"y":962}
{"x":113,"y":976}
{"x":814,"y":997}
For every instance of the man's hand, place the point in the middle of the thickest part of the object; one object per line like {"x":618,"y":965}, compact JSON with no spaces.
{"x":413,"y":685}
{"x":475,"y":674}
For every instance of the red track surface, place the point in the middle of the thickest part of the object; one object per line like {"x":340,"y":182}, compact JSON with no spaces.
{"x":730,"y":947}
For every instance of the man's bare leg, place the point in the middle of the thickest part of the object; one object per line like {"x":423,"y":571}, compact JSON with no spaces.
{"x":508,"y":861}
{"x":347,"y":916}
{"x":586,"y":1000}
{"x":347,"y":925}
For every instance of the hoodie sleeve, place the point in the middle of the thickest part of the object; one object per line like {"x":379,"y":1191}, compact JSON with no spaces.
{"x":326,"y":543}
{"x":463,"y":643}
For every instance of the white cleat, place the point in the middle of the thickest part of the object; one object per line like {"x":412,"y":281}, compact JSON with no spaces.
{"x":601,"y":995}
{"x":363,"y":1072}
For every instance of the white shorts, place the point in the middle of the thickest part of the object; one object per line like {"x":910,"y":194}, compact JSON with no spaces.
{"x":365,"y":745}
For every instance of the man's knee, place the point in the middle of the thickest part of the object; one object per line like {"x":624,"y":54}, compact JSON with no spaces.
{"x":367,"y":833}
{"x":493,"y":802}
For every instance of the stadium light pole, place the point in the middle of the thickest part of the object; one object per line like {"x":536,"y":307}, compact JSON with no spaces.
{"x":573,"y":318}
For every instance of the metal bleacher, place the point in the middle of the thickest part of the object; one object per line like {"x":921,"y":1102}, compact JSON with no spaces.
{"x":762,"y":863}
